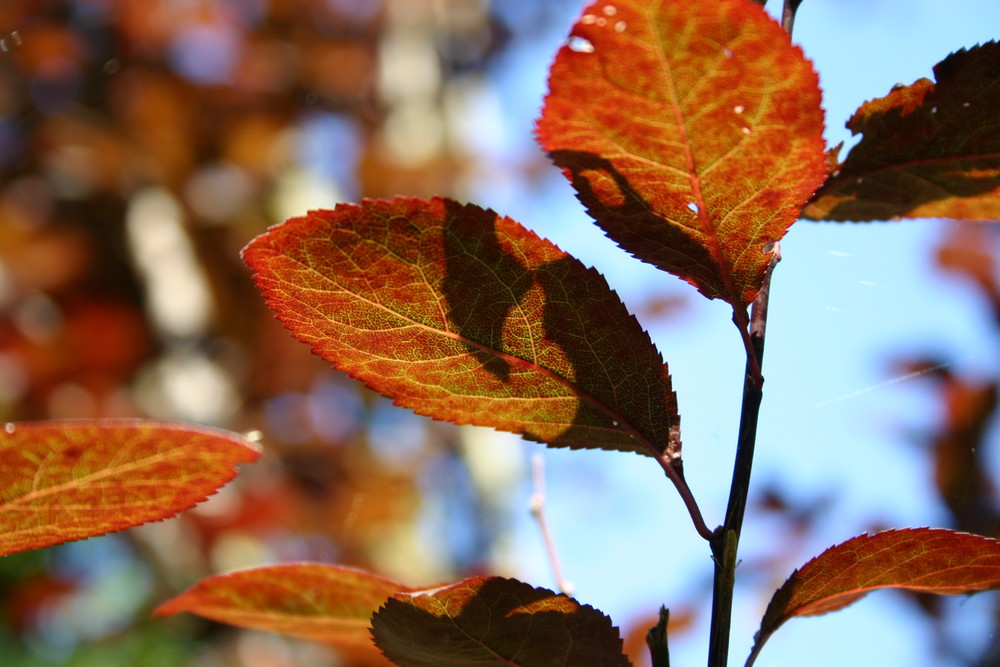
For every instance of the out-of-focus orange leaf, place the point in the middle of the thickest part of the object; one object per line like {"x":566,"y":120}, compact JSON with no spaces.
{"x":925,"y":560}
{"x":62,"y":481}
{"x":970,"y":251}
{"x":463,"y":315}
{"x":491,"y":621}
{"x":960,"y":472}
{"x":692,"y":132}
{"x":928,"y":150}
{"x":326,"y":603}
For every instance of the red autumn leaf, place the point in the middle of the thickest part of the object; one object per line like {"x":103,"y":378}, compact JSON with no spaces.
{"x":463,"y":315}
{"x":494,"y":622}
{"x":325,"y":603}
{"x":692,"y":132}
{"x":62,"y":481}
{"x":928,"y":150}
{"x":926,"y":560}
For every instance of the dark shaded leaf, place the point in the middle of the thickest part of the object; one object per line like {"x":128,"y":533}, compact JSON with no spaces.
{"x":494,"y":622}
{"x":929,"y":149}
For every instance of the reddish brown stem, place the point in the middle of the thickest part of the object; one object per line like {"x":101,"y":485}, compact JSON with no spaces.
{"x":675,"y":472}
{"x":788,"y":14}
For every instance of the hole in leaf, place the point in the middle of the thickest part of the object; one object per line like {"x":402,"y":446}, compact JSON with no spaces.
{"x":739,"y":108}
{"x":601,"y":21}
{"x":610,"y":10}
{"x":693,"y":207}
{"x":620,"y":26}
{"x":728,"y":51}
{"x":587,"y":19}
{"x":580,"y":44}
{"x":746,"y":130}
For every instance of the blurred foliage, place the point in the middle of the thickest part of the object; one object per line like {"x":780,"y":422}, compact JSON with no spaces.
{"x":142,"y":144}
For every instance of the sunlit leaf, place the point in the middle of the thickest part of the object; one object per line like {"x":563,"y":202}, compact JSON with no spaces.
{"x":326,"y":603}
{"x":463,"y":315}
{"x":494,"y":622}
{"x":926,"y":560}
{"x":62,"y":481}
{"x":692,"y":132}
{"x":928,"y":150}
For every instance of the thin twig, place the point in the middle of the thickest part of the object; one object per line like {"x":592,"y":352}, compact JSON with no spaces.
{"x":725,"y":541}
{"x":538,"y":512}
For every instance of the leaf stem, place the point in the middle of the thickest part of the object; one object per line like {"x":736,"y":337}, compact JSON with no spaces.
{"x":743,"y":323}
{"x":675,"y":472}
{"x":725,"y":540}
{"x":788,"y":15}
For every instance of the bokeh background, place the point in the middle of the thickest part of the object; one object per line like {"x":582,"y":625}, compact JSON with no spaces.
{"x":144,"y":142}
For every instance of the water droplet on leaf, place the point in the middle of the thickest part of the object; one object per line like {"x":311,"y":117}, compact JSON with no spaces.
{"x":580,"y":44}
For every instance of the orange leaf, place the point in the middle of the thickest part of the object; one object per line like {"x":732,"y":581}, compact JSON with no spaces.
{"x":927,"y":560}
{"x":492,"y":621}
{"x":692,"y":132}
{"x":62,"y":481}
{"x":326,"y":603}
{"x":929,"y":149}
{"x":463,"y":315}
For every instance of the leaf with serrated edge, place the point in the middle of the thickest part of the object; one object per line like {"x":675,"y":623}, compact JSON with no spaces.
{"x":691,"y":131}
{"x":926,"y":560}
{"x":69,"y":480}
{"x":326,"y":603}
{"x":494,"y":622}
{"x":928,"y":150}
{"x":464,"y":315}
